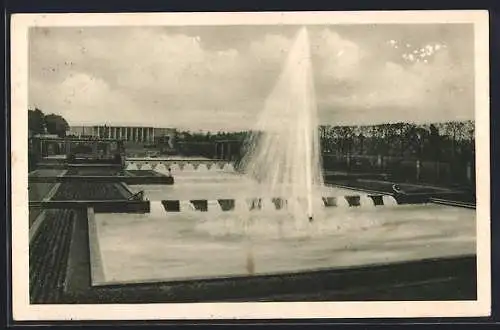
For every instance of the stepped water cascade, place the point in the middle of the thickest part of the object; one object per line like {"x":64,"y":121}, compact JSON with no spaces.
{"x":283,"y":152}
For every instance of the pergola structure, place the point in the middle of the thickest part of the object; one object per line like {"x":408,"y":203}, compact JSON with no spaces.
{"x":223,"y":148}
{"x":91,"y":148}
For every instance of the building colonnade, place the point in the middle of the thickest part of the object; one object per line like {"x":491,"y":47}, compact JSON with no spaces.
{"x":136,"y":134}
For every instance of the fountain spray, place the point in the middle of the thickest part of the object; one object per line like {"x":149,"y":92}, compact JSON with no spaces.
{"x":284,"y":153}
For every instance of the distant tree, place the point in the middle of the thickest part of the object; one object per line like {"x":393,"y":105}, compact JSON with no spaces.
{"x":409,"y":139}
{"x":434,"y":142}
{"x":398,"y":131}
{"x":361,"y":143}
{"x":422,"y":133}
{"x":345,"y":138}
{"x":380,"y":140}
{"x":56,"y":124}
{"x":36,"y":121}
{"x":470,"y":129}
{"x":454,"y":131}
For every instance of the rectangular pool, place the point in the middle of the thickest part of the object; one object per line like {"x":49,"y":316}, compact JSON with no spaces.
{"x":162,"y":246}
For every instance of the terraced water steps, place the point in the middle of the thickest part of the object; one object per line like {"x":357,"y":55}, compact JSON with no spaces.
{"x":254,"y":204}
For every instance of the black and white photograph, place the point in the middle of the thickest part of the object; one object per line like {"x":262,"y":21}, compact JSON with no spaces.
{"x":250,"y":165}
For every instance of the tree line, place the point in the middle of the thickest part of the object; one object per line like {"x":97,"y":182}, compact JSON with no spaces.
{"x":188,"y":136}
{"x":445,"y":141}
{"x":41,"y":123}
{"x":437,"y":141}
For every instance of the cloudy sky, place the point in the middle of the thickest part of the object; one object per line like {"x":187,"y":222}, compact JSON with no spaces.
{"x":217,"y":78}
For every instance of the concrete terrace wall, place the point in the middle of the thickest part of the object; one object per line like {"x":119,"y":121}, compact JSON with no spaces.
{"x":38,"y":191}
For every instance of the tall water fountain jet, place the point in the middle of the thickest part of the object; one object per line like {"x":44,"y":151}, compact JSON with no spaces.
{"x":283,"y":152}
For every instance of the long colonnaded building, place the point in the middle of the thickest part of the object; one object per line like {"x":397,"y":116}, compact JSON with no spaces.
{"x":125,"y":133}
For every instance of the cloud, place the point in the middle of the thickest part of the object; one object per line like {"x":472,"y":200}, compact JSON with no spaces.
{"x":80,"y":95}
{"x":339,"y":58}
{"x":272,"y":48}
{"x":156,"y":77}
{"x":369,"y":87}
